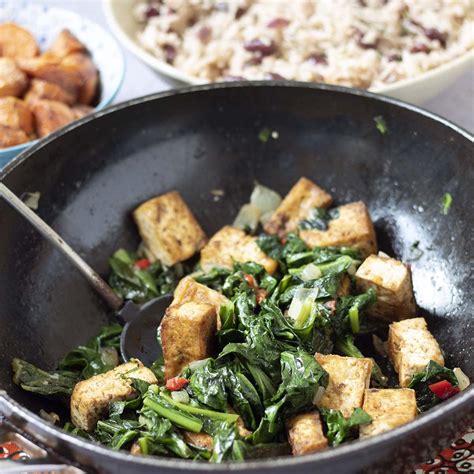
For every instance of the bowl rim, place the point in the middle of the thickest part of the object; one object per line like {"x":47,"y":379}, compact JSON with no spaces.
{"x":105,"y":101}
{"x":174,"y":73}
{"x":440,"y":413}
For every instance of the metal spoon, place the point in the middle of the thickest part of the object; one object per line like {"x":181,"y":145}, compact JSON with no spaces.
{"x":139,"y":335}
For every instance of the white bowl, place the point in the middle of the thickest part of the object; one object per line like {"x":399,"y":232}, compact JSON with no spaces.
{"x":45,"y":22}
{"x":415,"y":90}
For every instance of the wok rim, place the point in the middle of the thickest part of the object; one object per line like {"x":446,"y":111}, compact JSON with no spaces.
{"x":435,"y":416}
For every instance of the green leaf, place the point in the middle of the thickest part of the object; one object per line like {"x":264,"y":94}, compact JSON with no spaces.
{"x":446,"y":203}
{"x":432,"y":373}
{"x":319,"y":219}
{"x":340,"y":429}
{"x":380,"y":124}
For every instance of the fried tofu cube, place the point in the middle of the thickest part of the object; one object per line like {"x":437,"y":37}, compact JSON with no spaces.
{"x":305,"y":433}
{"x":90,"y":398}
{"x":187,"y":334}
{"x":50,"y":115}
{"x":410,"y":347}
{"x":189,"y":290}
{"x":14,"y":113}
{"x":13,"y":81}
{"x":348,"y":379}
{"x":297,"y":205}
{"x":353,"y":228}
{"x":388,"y":409}
{"x":231,"y":244}
{"x":168,"y":228}
{"x":391,"y":279}
{"x":40,"y":89}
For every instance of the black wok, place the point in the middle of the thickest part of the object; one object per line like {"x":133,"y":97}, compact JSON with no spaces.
{"x":93,"y":173}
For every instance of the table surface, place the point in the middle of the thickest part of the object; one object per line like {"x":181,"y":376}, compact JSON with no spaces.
{"x":456,"y":103}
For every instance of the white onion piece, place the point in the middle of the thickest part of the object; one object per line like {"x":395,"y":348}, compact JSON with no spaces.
{"x":51,"y":417}
{"x":265,"y":217}
{"x":463,"y":379}
{"x":31,"y":200}
{"x":180,"y":396}
{"x":298,"y":301}
{"x":264,"y":199}
{"x":383,"y":254}
{"x":318,"y":395}
{"x":247,"y":218}
{"x":109,"y":356}
{"x":197,"y":364}
{"x":310,"y":272}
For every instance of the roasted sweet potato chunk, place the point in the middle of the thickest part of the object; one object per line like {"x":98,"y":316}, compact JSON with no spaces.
{"x":14,"y":113}
{"x":50,"y":115}
{"x":40,"y":89}
{"x":13,"y":81}
{"x":52,"y":70}
{"x":83,"y":65}
{"x":80,"y":111}
{"x":12,"y":136}
{"x":64,"y":44}
{"x":16,"y":42}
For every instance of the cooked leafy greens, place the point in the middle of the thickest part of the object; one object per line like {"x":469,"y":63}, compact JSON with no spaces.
{"x":340,"y":429}
{"x":433,"y":373}
{"x":141,"y":283}
{"x":319,"y":219}
{"x":97,"y":356}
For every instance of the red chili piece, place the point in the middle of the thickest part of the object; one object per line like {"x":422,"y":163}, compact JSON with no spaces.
{"x":176,"y":383}
{"x":143,"y":263}
{"x":250,"y":280}
{"x":443,"y":389}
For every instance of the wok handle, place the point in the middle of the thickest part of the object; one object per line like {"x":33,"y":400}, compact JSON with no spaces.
{"x":104,"y":290}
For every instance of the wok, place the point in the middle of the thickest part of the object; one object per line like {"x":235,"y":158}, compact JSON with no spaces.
{"x":94,"y":172}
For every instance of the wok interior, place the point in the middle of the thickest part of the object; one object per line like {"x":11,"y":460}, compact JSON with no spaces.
{"x":92,"y":177}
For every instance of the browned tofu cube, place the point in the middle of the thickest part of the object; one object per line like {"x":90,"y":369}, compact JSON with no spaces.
{"x":50,"y":115}
{"x":305,"y":433}
{"x":187,"y":334}
{"x":189,"y":290}
{"x":231,"y":244}
{"x":388,"y":408}
{"x":40,"y":90}
{"x":348,"y":379}
{"x":297,"y":205}
{"x":90,"y":398}
{"x":391,"y":279}
{"x":410,"y":347}
{"x":168,"y":228}
{"x":353,"y":228}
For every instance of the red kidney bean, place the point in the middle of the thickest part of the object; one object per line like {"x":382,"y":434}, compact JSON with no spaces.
{"x":258,"y":46}
{"x":204,"y":34}
{"x":240,"y":11}
{"x":434,"y":34}
{"x":317,"y":58}
{"x":394,"y":57}
{"x":170,"y":53}
{"x":420,"y":48}
{"x":278,"y":23}
{"x":151,"y":12}
{"x":273,"y":76}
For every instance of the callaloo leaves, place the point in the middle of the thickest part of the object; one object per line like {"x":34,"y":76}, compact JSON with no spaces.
{"x":132,"y":280}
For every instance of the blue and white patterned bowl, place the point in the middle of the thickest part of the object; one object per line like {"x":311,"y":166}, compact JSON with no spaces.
{"x":45,"y":22}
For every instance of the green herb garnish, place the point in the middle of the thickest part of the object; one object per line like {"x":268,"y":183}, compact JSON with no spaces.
{"x":446,"y":203}
{"x":380,"y":124}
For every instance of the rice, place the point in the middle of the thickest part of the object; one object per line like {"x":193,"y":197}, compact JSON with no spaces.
{"x":359,"y":43}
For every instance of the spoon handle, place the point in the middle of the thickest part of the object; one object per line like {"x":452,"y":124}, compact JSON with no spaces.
{"x":104,"y":290}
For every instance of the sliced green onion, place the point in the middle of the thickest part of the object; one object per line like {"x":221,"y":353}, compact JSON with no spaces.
{"x":202,"y":411}
{"x":188,"y":422}
{"x":354,"y":319}
{"x":302,"y":305}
